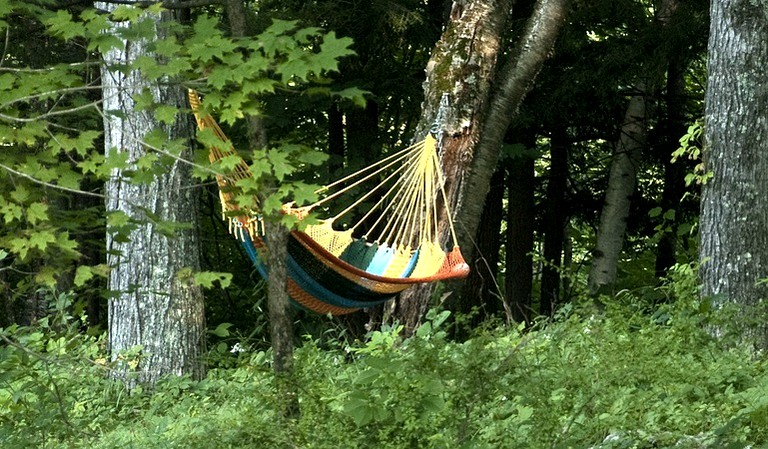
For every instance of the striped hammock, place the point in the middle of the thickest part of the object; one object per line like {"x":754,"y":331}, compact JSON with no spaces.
{"x":335,"y":271}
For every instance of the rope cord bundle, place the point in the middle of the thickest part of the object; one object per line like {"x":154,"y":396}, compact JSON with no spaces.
{"x":332,"y":271}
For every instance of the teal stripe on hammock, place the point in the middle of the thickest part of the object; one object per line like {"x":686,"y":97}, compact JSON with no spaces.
{"x":254,"y":256}
{"x":311,"y":286}
{"x":326,"y":276}
{"x":411,"y":264}
{"x":359,"y":253}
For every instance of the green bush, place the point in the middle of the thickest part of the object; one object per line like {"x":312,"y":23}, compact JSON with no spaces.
{"x":629,"y":377}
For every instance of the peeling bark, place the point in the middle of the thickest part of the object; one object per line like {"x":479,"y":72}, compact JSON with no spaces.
{"x":464,"y":65}
{"x":153,"y":305}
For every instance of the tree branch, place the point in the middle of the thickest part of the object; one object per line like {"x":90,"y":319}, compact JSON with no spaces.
{"x":167,"y":4}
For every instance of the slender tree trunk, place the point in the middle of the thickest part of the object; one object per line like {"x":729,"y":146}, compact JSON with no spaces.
{"x":554,"y":222}
{"x":518,"y":280}
{"x":363,"y":144}
{"x":153,"y":305}
{"x":335,"y":139}
{"x":478,"y":117}
{"x":674,"y":174}
{"x":278,"y":300}
{"x":481,"y":290}
{"x":621,"y":187}
{"x":734,"y":206}
{"x":280,"y":322}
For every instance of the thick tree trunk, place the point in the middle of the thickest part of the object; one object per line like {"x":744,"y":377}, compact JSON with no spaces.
{"x":518,"y":280}
{"x":554,"y":222}
{"x":153,"y":306}
{"x":463,"y":65}
{"x":621,"y":187}
{"x":734,"y":207}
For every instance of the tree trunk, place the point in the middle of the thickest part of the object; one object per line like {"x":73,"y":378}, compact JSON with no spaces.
{"x":673,"y":127}
{"x":621,"y":186}
{"x":280,"y":323}
{"x":481,"y":290}
{"x":518,"y":280}
{"x":278,"y":300}
{"x":734,"y":207}
{"x":335,"y":140}
{"x":622,"y":177}
{"x":463,"y":65}
{"x":153,"y":305}
{"x":554,"y":222}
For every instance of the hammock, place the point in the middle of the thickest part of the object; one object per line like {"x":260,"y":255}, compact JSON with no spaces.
{"x":331,"y":270}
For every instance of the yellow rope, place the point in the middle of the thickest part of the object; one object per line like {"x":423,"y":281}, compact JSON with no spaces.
{"x":409,"y":205}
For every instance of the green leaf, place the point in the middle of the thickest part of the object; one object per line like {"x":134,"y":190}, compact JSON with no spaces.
{"x":37,"y":212}
{"x":10,"y":211}
{"x":206,"y":279}
{"x":354,"y":94}
{"x":41,"y":239}
{"x":20,"y":194}
{"x":222,"y":330}
{"x":82,"y":275}
{"x":281,"y":166}
{"x":332,"y":49}
{"x":63,"y":25}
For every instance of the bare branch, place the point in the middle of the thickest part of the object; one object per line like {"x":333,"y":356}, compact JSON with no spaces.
{"x":48,"y":184}
{"x":51,"y":114}
{"x":168,"y":4}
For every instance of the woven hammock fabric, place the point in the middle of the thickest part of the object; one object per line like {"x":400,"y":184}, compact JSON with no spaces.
{"x":329,"y":270}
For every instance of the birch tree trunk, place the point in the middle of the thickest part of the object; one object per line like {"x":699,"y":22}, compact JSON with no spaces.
{"x":618,"y":195}
{"x":734,"y":206}
{"x":463,"y":65}
{"x":623,"y":174}
{"x":153,"y":306}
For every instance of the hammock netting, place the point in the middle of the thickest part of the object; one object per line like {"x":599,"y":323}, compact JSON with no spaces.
{"x":341,"y":271}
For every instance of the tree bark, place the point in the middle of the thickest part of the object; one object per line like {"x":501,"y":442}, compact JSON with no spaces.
{"x":153,"y":305}
{"x":463,"y":66}
{"x":673,"y":127}
{"x":481,"y":290}
{"x":554,"y":222}
{"x":618,"y":195}
{"x":623,"y":174}
{"x":278,"y":300}
{"x":518,"y":280}
{"x":734,"y":206}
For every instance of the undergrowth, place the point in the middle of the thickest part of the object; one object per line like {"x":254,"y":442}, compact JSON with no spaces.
{"x":633,"y":376}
